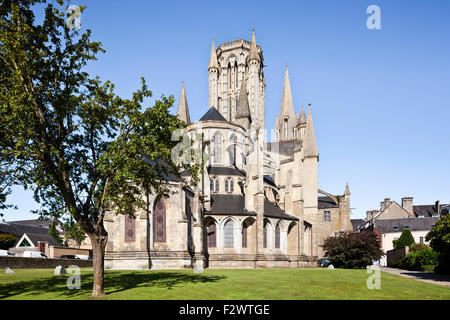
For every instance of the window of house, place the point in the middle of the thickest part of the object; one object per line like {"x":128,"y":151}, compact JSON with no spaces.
{"x":130,"y":229}
{"x":159,"y":221}
{"x":265,"y":235}
{"x":214,"y":185}
{"x":285,"y":128}
{"x":228,"y":231}
{"x":326,"y":216}
{"x":421,"y":240}
{"x":405,"y":227}
{"x":277,"y":236}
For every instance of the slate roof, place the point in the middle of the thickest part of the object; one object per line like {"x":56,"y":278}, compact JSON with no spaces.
{"x":414,"y":224}
{"x":427,"y":210}
{"x":326,"y":203}
{"x":226,"y":171}
{"x":19,"y":229}
{"x":213,"y":115}
{"x":356,"y":223}
{"x":269,"y":180}
{"x":225,"y":204}
{"x":284,"y":147}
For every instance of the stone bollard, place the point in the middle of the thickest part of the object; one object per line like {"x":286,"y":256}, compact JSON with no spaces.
{"x":9,"y":270}
{"x":330,"y":267}
{"x":59,"y":270}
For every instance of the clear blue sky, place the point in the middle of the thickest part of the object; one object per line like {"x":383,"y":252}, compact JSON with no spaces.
{"x":381,"y":98}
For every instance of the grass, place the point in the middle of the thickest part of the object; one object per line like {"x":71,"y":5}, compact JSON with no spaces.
{"x":260,"y":284}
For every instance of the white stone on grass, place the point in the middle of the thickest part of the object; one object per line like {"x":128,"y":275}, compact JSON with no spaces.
{"x":330,"y":267}
{"x":59,"y":270}
{"x":9,"y":270}
{"x":198,"y":269}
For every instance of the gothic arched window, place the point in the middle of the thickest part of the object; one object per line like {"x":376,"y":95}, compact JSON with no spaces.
{"x":214,"y":185}
{"x":277,"y":236}
{"x":229,"y":185}
{"x":217,"y":147}
{"x":228,"y":233}
{"x":159,"y":221}
{"x":130,"y":228}
{"x":244,"y":235}
{"x":211,"y":235}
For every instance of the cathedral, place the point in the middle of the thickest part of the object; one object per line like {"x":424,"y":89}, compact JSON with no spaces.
{"x":257,"y":205}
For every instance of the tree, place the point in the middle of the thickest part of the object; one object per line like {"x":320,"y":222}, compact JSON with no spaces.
{"x":53,"y":232}
{"x":406,"y":239}
{"x":439,"y":238}
{"x":74,"y":232}
{"x":73,"y":141}
{"x":7,"y":241}
{"x":352,"y":250}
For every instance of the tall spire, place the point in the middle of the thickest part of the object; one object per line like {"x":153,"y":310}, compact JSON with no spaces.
{"x":287,"y":106}
{"x":183,"y":110}
{"x":309,"y":141}
{"x":243,"y":109}
{"x":347,"y":190}
{"x":213,"y":58}
{"x":253,"y":55}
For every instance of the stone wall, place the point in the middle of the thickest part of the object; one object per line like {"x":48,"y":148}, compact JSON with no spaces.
{"x":396,"y":254}
{"x":38,"y":263}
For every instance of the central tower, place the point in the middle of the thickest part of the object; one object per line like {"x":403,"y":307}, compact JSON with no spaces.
{"x":230,"y":65}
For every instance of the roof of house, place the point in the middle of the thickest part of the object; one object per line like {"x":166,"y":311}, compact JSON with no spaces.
{"x":413,"y":224}
{"x":356,"y":223}
{"x":326,"y":203}
{"x":427,"y":210}
{"x":213,"y":115}
{"x":19,"y":229}
{"x":35,"y":238}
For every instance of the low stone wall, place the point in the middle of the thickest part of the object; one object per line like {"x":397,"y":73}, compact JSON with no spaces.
{"x":38,"y":263}
{"x":396,"y":254}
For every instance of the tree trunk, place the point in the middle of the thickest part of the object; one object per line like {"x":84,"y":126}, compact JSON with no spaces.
{"x":98,"y":248}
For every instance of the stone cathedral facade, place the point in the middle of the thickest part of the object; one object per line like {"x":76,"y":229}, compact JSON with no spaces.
{"x":258,"y":204}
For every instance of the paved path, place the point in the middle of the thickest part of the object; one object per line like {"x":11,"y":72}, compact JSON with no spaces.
{"x":439,"y":279}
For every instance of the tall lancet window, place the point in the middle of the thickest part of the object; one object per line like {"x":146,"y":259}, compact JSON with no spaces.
{"x":229,"y":76}
{"x":277,"y":236}
{"x":228,"y":231}
{"x":236,"y":76}
{"x":217,"y":147}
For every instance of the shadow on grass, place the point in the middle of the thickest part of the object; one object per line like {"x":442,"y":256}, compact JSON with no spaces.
{"x":114,"y":282}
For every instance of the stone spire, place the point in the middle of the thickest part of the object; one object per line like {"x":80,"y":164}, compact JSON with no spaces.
{"x":347,"y":190}
{"x":302,"y":120}
{"x":183,"y":110}
{"x":253,"y":55}
{"x":243,"y":109}
{"x":309,"y":142}
{"x":213,"y":58}
{"x":287,"y":106}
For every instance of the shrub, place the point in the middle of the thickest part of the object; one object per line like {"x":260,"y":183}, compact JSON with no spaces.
{"x":418,"y":247}
{"x":7,"y":241}
{"x":352,"y":250}
{"x":405,"y":240}
{"x":439,"y":238}
{"x":423,"y":260}
{"x":53,"y":232}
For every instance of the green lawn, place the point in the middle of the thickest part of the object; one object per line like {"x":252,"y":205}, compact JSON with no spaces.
{"x":264,"y":284}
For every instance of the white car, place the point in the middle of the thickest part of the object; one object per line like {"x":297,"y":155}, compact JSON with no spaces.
{"x":34,"y":254}
{"x":82,"y":257}
{"x":6,"y":253}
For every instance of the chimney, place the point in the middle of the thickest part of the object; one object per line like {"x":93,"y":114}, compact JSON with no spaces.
{"x":407,"y":204}
{"x":438,"y":208}
{"x":385,"y":203}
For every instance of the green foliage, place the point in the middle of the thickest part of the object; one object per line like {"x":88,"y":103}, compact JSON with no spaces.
{"x":406,"y":239}
{"x":421,"y":260}
{"x":74,"y":232}
{"x":439,"y":238}
{"x":53,"y":232}
{"x":352,"y":250}
{"x":418,"y":247}
{"x":7,"y":241}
